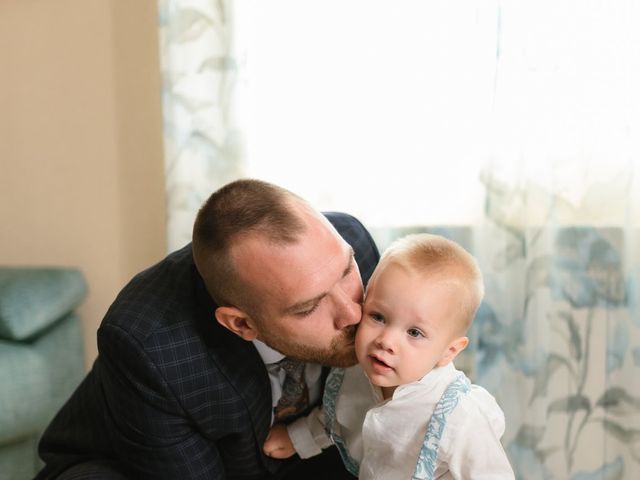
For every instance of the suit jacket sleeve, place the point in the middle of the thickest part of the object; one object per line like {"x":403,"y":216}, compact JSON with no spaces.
{"x":151,"y":434}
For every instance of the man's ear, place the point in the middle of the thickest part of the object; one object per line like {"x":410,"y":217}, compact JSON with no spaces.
{"x":238,"y":321}
{"x":452,"y":351}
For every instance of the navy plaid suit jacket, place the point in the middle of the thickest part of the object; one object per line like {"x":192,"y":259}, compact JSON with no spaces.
{"x":173,"y":394}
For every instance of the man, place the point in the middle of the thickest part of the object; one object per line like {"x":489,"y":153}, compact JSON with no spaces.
{"x":188,"y":373}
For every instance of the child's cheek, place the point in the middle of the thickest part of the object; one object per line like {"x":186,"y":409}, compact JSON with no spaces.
{"x":360,"y":341}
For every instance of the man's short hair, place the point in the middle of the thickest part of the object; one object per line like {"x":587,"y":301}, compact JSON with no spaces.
{"x":240,"y":208}
{"x":428,"y":255}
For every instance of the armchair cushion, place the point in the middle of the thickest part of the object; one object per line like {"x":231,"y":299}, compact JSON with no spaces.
{"x":24,"y":391}
{"x":31,"y":299}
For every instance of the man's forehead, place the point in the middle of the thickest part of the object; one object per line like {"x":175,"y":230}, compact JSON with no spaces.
{"x":311,"y":293}
{"x":280,"y":267}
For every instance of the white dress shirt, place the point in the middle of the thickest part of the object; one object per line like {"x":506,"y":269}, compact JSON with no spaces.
{"x":385,"y":436}
{"x":271,"y":357}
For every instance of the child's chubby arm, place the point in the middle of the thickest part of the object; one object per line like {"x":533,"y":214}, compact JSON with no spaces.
{"x":278,"y":443}
{"x":305,"y":436}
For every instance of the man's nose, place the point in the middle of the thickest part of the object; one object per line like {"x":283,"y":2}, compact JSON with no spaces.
{"x":348,"y":311}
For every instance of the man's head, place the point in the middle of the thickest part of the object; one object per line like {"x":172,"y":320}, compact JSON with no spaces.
{"x":420,"y":302}
{"x":279,"y":272}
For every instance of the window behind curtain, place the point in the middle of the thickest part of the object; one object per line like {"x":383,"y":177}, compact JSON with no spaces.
{"x":377,"y":108}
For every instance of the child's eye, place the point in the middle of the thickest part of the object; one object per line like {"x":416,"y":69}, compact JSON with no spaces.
{"x":376,"y":317}
{"x":415,"y":333}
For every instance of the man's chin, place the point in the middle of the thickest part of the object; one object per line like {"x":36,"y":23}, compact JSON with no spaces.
{"x":341,"y":353}
{"x":343,"y":359}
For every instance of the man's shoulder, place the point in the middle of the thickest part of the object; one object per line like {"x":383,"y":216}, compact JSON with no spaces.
{"x":166,"y":312}
{"x":347,"y":225}
{"x":177,"y":263}
{"x":159,"y":297}
{"x":357,"y":235}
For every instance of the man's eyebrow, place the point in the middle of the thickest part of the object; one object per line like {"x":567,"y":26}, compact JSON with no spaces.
{"x":307,"y":304}
{"x":352,"y":257}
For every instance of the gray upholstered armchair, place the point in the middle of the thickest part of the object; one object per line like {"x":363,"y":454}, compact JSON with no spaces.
{"x":41,"y":358}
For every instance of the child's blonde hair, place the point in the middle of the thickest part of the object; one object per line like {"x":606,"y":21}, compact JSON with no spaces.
{"x":433,"y":255}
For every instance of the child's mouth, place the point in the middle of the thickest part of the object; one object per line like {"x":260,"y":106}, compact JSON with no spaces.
{"x":379,"y":366}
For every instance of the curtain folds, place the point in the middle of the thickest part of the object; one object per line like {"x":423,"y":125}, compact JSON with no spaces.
{"x":202,"y":143}
{"x":557,"y":338}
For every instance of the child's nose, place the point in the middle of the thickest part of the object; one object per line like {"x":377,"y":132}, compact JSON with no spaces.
{"x":385,"y":340}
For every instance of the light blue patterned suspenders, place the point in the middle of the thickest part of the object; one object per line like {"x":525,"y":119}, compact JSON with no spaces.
{"x":428,"y":453}
{"x":331,"y":389}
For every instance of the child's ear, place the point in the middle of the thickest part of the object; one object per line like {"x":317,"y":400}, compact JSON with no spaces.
{"x":452,"y":351}
{"x":238,"y":321}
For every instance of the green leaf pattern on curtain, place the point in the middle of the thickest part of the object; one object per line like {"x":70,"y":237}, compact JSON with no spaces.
{"x":557,"y":338}
{"x":202,"y":145}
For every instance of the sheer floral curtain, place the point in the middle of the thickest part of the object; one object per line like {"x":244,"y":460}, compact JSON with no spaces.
{"x":510,"y":126}
{"x":558,"y":337}
{"x":202,"y":141}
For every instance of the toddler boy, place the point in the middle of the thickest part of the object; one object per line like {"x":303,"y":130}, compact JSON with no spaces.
{"x":405,"y":412}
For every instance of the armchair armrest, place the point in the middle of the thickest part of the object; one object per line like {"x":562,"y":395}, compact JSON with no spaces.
{"x":33,"y":298}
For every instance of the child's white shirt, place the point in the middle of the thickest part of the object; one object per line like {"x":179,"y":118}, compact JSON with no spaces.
{"x":385,"y":436}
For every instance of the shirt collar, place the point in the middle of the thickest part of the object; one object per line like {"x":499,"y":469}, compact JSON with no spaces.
{"x":268,"y":354}
{"x":430,"y":380}
{"x":437,"y":372}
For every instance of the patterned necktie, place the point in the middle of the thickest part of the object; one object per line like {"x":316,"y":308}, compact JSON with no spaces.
{"x":295,"y":395}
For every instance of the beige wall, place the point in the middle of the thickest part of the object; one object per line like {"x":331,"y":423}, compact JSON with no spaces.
{"x":81,"y":166}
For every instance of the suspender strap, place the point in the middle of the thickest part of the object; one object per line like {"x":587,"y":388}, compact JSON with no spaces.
{"x":427,"y":459}
{"x":331,"y":389}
